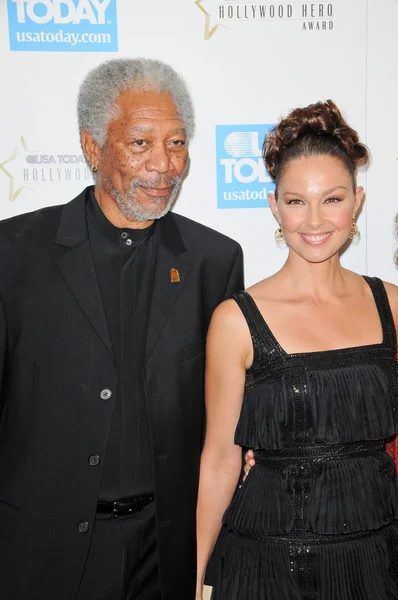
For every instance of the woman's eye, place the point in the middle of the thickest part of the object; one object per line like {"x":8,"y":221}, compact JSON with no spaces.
{"x":295,"y":201}
{"x":334,"y":199}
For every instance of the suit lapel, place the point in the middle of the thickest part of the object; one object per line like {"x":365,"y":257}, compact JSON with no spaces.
{"x":171,"y":266}
{"x":77,"y":267}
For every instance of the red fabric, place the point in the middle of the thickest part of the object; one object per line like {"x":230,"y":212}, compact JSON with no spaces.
{"x":392,"y":449}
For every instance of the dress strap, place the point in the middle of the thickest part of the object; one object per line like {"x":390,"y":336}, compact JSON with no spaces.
{"x":262,"y":338}
{"x":384,"y":310}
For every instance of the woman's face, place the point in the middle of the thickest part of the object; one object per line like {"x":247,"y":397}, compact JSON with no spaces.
{"x":316,"y":205}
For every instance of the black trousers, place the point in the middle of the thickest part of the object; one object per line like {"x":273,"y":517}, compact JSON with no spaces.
{"x":122,"y":563}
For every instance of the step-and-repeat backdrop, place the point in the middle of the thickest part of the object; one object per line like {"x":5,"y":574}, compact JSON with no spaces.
{"x":246,"y":64}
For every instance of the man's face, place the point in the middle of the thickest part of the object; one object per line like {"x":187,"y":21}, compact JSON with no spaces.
{"x":144,"y":155}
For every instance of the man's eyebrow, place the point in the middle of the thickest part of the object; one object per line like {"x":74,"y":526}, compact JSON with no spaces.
{"x":149,"y":128}
{"x":140,"y":128}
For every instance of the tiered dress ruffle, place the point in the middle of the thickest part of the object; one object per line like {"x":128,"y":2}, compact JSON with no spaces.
{"x":317,"y":517}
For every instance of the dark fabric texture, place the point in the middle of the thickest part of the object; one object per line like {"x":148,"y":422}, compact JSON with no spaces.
{"x":316,"y":519}
{"x":122,"y":563}
{"x":124,"y":262}
{"x":58,"y":387}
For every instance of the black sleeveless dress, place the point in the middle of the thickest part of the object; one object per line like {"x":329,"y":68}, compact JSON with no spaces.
{"x":317,"y":516}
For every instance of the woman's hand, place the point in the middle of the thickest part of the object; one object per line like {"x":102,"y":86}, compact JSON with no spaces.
{"x":249,"y":462}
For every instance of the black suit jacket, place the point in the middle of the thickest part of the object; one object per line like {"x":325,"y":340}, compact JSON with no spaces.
{"x":57,"y":360}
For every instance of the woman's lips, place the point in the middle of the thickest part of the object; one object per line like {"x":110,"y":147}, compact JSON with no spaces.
{"x":316,"y":239}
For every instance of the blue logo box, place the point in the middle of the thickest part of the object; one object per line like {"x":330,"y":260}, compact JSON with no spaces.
{"x":62,"y":25}
{"x":242,"y":179}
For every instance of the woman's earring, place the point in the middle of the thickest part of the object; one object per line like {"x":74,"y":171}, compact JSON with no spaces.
{"x":279,"y":236}
{"x":354,"y":230}
{"x":94,"y":168}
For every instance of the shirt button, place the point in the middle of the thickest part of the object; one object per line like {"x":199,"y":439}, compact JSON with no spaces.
{"x":124,"y":235}
{"x":106,"y":394}
{"x":83,"y":527}
{"x":94,"y":460}
{"x":128,"y":242}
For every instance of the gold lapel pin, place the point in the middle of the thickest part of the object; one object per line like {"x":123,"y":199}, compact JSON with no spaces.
{"x":174,"y":276}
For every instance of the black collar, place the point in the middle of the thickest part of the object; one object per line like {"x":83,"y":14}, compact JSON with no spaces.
{"x":72,"y":230}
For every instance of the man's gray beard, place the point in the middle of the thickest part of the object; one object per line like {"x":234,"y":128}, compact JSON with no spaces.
{"x":133,"y":211}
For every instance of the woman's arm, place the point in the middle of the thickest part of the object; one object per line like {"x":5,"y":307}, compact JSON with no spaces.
{"x":227,"y":352}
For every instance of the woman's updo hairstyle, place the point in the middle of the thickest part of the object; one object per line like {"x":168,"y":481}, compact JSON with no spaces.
{"x":317,"y":129}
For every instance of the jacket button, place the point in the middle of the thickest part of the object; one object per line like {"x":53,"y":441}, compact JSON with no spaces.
{"x":94,"y":460}
{"x":83,"y":527}
{"x":106,"y":394}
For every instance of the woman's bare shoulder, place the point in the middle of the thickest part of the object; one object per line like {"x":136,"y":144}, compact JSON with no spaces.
{"x":229,"y":335}
{"x":391,"y":289}
{"x":228,"y":319}
{"x":392,"y":294}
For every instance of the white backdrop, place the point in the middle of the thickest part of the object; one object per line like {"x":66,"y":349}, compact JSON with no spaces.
{"x":246,"y":63}
{"x":249,"y":71}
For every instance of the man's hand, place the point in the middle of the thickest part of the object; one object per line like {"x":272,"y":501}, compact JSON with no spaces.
{"x":250,"y":462}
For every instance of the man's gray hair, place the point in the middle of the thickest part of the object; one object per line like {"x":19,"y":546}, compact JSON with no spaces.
{"x":101,"y":87}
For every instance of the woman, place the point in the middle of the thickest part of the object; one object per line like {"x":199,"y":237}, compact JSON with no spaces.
{"x":302,"y":368}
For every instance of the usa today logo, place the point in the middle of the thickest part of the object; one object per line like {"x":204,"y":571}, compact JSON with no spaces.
{"x":63,"y":25}
{"x":242,"y":180}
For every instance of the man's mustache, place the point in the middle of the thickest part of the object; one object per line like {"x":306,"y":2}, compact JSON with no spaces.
{"x":156,"y":181}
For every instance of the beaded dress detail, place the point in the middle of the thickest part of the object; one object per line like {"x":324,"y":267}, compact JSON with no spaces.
{"x":316,"y":519}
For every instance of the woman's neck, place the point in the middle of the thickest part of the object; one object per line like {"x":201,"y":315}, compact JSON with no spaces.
{"x":319,"y":281}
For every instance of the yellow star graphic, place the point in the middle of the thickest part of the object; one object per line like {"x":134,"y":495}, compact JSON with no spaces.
{"x":208,"y":31}
{"x":12,"y":193}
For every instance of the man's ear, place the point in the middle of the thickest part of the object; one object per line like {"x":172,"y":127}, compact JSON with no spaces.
{"x":90,"y":148}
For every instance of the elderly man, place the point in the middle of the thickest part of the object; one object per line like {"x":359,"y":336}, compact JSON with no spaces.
{"x":105,"y":303}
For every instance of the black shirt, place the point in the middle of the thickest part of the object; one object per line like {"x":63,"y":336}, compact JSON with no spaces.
{"x":124,"y":261}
